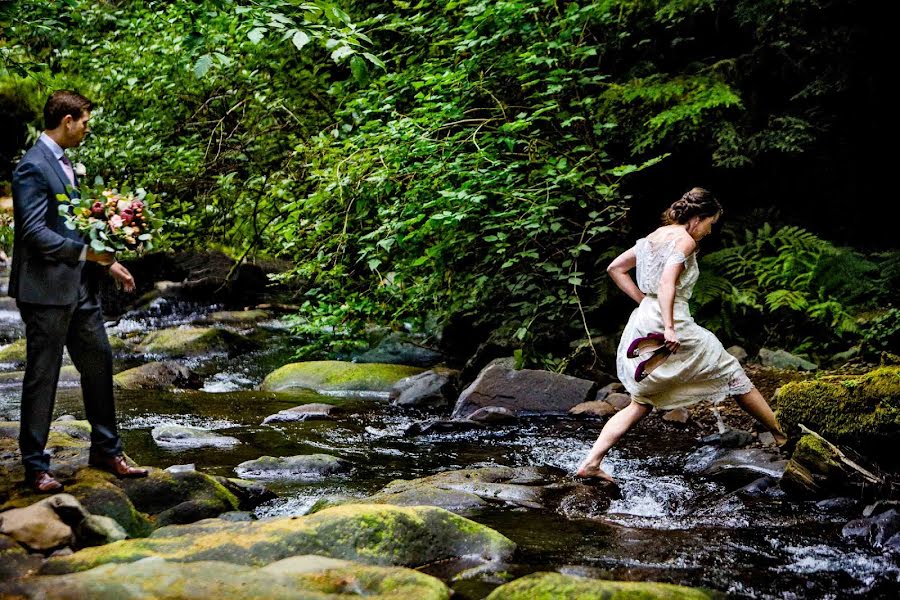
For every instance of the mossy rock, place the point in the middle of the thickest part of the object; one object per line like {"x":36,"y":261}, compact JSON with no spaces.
{"x":289,"y":580}
{"x":863,"y":410}
{"x":238,"y":317}
{"x":193,"y":341}
{"x":335,"y":375}
{"x":67,"y":374}
{"x":177,"y":498}
{"x":368,"y":533}
{"x":555,"y":586}
{"x":15,"y":561}
{"x":99,"y":494}
{"x":157,"y":375}
{"x":13,"y":353}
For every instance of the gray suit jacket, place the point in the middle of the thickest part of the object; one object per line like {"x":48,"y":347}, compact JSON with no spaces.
{"x":46,"y":268}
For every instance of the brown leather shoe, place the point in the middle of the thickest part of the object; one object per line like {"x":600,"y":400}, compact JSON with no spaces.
{"x":43,"y":482}
{"x":116,"y":465}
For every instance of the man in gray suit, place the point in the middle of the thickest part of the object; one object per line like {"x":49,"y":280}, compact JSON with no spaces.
{"x":55,"y":281}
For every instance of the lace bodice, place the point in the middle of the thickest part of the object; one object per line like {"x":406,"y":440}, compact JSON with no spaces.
{"x":653,"y":257}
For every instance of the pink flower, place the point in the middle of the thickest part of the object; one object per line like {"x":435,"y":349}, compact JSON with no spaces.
{"x":127,"y":215}
{"x":97,"y":208}
{"x":115,"y":222}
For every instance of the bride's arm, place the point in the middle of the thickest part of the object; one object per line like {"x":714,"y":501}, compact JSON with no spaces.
{"x":618,"y":271}
{"x":666,"y":292}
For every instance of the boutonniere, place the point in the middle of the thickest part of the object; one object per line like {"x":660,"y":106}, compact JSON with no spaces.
{"x":79,"y":169}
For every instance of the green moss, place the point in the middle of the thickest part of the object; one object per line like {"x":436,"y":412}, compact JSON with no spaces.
{"x":334,"y":375}
{"x":13,"y":353}
{"x":554,"y":586}
{"x":864,"y":410}
{"x":191,"y":341}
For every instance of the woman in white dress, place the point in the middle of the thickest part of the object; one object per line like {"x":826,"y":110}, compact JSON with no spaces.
{"x":665,"y":359}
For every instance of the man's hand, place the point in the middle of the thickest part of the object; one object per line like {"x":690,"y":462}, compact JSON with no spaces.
{"x":104,"y":258}
{"x":122,"y":276}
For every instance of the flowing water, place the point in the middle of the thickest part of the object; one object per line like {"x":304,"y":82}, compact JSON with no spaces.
{"x":670,"y":524}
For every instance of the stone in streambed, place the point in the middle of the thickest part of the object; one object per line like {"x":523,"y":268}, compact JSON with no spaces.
{"x":523,"y":392}
{"x":337,"y":376}
{"x":158,"y":375}
{"x":431,"y":389}
{"x":238,"y":317}
{"x":97,"y":530}
{"x":304,"y":412}
{"x":594,"y":408}
{"x":176,"y":498}
{"x":15,"y":561}
{"x":440,"y":426}
{"x":369,"y":533}
{"x":286,"y":580}
{"x":304,"y":467}
{"x":816,"y":470}
{"x":193,"y":341}
{"x":492,"y":414}
{"x":37,"y":527}
{"x":177,"y":437}
{"x":556,"y":586}
{"x":877,"y":530}
{"x":739,"y":467}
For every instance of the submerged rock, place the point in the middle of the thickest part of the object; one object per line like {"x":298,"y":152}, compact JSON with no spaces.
{"x":158,"y":375}
{"x":337,"y":376}
{"x":180,"y":437}
{"x":289,"y":579}
{"x":369,"y":533}
{"x":304,"y":467}
{"x":862,"y":410}
{"x":523,"y":392}
{"x":556,"y":586}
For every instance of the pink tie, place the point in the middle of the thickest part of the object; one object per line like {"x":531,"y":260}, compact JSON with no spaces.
{"x":67,"y":167}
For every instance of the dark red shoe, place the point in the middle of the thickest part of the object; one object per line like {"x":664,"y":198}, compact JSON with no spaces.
{"x":116,"y":465}
{"x":642,"y":344}
{"x":42,"y":482}
{"x":645,"y":367}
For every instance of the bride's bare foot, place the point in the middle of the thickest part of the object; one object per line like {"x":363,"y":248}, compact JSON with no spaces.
{"x":780,"y":438}
{"x":588,"y":472}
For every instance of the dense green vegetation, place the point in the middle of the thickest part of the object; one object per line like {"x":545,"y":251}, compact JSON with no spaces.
{"x":474,"y":165}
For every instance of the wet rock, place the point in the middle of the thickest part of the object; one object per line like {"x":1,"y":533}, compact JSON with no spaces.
{"x":15,"y":561}
{"x":732,"y":438}
{"x":860,"y":410}
{"x":840,"y":503}
{"x":877,"y":530}
{"x":759,"y":488}
{"x":193,"y":341}
{"x":880,"y":506}
{"x":96,"y":492}
{"x":492,"y":414}
{"x":177,"y":437}
{"x":337,"y":376}
{"x":594,"y":408}
{"x":250,"y":494}
{"x":97,"y":530}
{"x":678,"y":415}
{"x":815,"y":470}
{"x":370,"y":533}
{"x":618,"y":400}
{"x":401,"y":350}
{"x":238,"y":317}
{"x":158,"y":375}
{"x":237,"y":516}
{"x":37,"y":527}
{"x":469,"y":489}
{"x":304,"y":412}
{"x":737,"y":467}
{"x":186,"y":468}
{"x":441,"y":426}
{"x":431,"y":389}
{"x":523,"y":392}
{"x":68,"y":374}
{"x":288,"y":579}
{"x":612,"y":388}
{"x":302,"y":467}
{"x":569,"y":587}
{"x":739,"y":353}
{"x":175,"y":498}
{"x":781,"y":359}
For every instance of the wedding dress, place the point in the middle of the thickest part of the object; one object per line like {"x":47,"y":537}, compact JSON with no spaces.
{"x":701,"y":369}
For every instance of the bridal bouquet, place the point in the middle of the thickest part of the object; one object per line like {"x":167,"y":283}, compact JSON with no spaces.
{"x":111,"y":220}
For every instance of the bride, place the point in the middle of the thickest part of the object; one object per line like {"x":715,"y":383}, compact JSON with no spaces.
{"x":665,"y":360}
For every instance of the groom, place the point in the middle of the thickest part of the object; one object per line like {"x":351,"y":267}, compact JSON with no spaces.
{"x":55,"y":280}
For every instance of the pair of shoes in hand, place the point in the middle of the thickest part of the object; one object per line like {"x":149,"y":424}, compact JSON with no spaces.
{"x":655,"y":343}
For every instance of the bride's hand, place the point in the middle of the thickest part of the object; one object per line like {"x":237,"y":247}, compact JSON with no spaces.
{"x":672,"y":342}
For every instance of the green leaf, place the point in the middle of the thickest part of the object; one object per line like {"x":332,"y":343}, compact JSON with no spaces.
{"x":300,"y":39}
{"x":201,"y":67}
{"x":98,"y":246}
{"x":342,"y":52}
{"x":374,"y":59}
{"x":256,"y":34}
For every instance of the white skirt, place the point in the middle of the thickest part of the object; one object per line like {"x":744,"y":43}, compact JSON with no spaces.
{"x":700,"y":370}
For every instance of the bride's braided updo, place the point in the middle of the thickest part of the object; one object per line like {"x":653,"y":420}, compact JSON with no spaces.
{"x":697,"y":202}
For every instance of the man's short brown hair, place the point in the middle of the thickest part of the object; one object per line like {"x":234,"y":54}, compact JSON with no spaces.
{"x":62,"y":103}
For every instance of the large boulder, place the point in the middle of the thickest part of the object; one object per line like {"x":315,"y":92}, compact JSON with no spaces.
{"x":431,"y":389}
{"x":176,"y":498}
{"x":863,"y":411}
{"x":158,"y":375}
{"x":568,"y":587}
{"x":310,"y":578}
{"x":523,"y":392}
{"x":37,"y":527}
{"x":337,"y":376}
{"x":193,"y":341}
{"x":369,"y":533}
